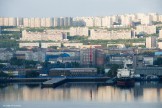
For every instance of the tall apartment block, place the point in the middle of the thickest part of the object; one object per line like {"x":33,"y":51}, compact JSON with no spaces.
{"x":151,"y":42}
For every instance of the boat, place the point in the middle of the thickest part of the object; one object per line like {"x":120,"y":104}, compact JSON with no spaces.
{"x":125,"y":76}
{"x":125,"y":82}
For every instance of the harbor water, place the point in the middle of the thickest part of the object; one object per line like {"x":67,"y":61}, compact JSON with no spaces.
{"x":78,"y":95}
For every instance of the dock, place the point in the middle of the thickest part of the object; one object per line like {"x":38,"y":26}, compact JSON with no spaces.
{"x":54,"y":82}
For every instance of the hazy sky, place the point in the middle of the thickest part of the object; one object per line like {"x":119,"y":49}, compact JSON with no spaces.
{"x":54,"y":8}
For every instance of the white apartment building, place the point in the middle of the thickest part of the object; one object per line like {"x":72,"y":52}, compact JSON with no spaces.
{"x":146,"y":29}
{"x":32,"y":22}
{"x":37,"y":22}
{"x":137,"y":44}
{"x":19,"y":21}
{"x":155,"y":16}
{"x":8,"y":21}
{"x":78,"y":31}
{"x":74,"y":45}
{"x":108,"y":35}
{"x":50,"y":44}
{"x":160,"y":34}
{"x":60,"y":21}
{"x":114,"y":18}
{"x":37,"y":36}
{"x":1,"y":21}
{"x":97,"y":22}
{"x":54,"y":23}
{"x":90,"y":46}
{"x":68,"y":21}
{"x":160,"y":45}
{"x":5,"y":22}
{"x":48,"y":22}
{"x":116,"y":45}
{"x":106,"y":22}
{"x":139,"y":15}
{"x":88,"y":21}
{"x":26,"y":22}
{"x":160,"y":18}
{"x":43,"y":22}
{"x":151,"y":42}
{"x":12,"y":21}
{"x":57,"y":30}
{"x":146,"y":20}
{"x":28,"y":45}
{"x":126,"y":20}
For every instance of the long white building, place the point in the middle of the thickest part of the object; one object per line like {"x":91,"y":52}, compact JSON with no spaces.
{"x":78,"y":31}
{"x":108,"y":35}
{"x":28,"y":45}
{"x":50,"y":44}
{"x":73,"y":45}
{"x":106,"y":21}
{"x":146,"y":29}
{"x":37,"y":36}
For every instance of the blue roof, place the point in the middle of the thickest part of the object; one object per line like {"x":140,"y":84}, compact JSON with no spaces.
{"x":158,"y":53}
{"x":64,"y":55}
{"x":57,"y":56}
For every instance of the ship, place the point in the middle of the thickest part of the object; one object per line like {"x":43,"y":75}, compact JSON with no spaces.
{"x":125,"y":76}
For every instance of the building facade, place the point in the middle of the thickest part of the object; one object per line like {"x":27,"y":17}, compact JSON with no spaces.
{"x":151,"y":42}
{"x":38,"y":36}
{"x":109,"y":35}
{"x":73,"y":72}
{"x":78,"y":31}
{"x":146,"y":29}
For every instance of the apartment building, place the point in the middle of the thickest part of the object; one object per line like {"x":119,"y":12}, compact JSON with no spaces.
{"x":151,"y":42}
{"x":37,"y":36}
{"x":78,"y":31}
{"x":108,"y":35}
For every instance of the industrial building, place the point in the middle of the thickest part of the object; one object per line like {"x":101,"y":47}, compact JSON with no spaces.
{"x":73,"y":72}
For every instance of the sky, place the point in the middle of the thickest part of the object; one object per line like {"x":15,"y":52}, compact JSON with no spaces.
{"x":73,"y":8}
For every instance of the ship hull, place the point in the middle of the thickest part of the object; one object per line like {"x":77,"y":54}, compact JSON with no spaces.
{"x":125,"y":82}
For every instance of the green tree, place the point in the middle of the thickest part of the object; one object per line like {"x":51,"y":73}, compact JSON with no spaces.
{"x":54,"y":47}
{"x":158,"y":61}
{"x":151,"y":53}
{"x":100,"y":70}
{"x":15,"y":61}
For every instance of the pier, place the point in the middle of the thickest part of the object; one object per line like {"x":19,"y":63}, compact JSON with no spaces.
{"x":54,"y":82}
